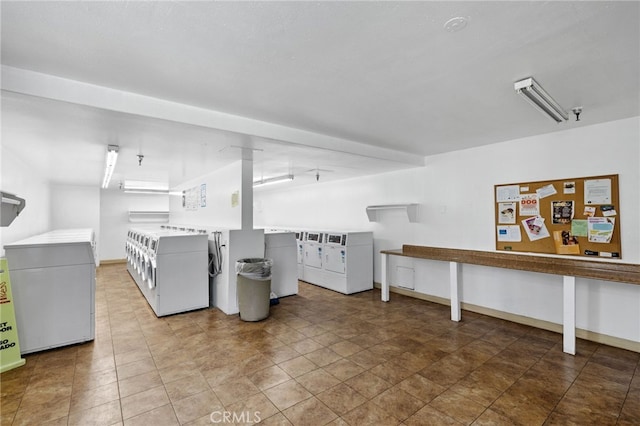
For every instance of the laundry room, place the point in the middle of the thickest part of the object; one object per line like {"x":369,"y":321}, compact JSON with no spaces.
{"x":372,"y":182}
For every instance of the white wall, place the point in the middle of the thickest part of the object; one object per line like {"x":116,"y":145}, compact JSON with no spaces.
{"x":114,"y":218}
{"x":455,"y":193}
{"x":24,"y":181}
{"x":76,"y":207}
{"x":218,"y":211}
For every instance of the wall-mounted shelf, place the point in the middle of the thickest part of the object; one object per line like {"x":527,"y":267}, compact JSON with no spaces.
{"x":411,"y":209}
{"x":11,"y":208}
{"x":148,"y":216}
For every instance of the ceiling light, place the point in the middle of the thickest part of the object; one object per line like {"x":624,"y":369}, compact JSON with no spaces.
{"x":536,"y":96}
{"x":112,"y":157}
{"x":273,"y":180}
{"x":145,"y":187}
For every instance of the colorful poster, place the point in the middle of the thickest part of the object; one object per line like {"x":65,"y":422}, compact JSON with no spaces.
{"x":561,"y":212}
{"x":9,"y":344}
{"x":529,"y":205}
{"x":535,"y":228}
{"x":600,"y":229}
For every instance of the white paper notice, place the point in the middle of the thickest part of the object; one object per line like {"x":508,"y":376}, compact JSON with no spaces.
{"x":569,"y":187}
{"x":509,"y":233}
{"x":529,"y":205}
{"x":507,"y":193}
{"x":597,"y":191}
{"x":545,"y":191}
{"x":507,"y":212}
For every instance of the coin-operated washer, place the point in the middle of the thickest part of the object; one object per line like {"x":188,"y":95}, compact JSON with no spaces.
{"x":348,"y":262}
{"x":173,"y":277}
{"x":313,"y":257}
{"x":144,"y":257}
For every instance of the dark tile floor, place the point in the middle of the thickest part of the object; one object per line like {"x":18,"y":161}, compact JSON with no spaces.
{"x":320,"y":358}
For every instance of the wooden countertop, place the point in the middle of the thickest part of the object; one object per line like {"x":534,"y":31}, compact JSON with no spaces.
{"x":603,"y":270}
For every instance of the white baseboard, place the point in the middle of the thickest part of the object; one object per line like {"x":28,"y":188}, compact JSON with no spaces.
{"x":520,"y":319}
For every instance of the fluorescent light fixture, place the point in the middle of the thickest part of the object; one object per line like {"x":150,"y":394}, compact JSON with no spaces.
{"x":145,"y":187}
{"x":146,"y":191}
{"x":270,"y":181}
{"x":540,"y":99}
{"x":112,"y":157}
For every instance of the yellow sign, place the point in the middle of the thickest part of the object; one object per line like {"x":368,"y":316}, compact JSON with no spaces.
{"x":9,"y":344}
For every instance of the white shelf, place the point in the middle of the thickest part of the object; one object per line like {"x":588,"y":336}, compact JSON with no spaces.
{"x":11,"y":206}
{"x":148,"y":216}
{"x":411,"y":210}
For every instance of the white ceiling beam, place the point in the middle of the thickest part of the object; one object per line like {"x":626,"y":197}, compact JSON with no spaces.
{"x":76,"y":92}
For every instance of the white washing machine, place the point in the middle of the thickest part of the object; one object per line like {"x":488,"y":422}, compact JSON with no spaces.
{"x":348,"y":262}
{"x":313,"y":257}
{"x":53,"y":281}
{"x":179,"y":281}
{"x":281,"y":247}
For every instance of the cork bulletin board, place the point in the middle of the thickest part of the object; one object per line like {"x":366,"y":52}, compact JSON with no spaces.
{"x":574,"y":216}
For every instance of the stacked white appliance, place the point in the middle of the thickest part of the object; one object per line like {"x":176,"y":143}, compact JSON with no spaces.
{"x":170,"y":268}
{"x":339,"y":261}
{"x":53,"y":278}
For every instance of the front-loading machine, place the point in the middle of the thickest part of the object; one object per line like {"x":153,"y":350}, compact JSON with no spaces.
{"x":348,"y":261}
{"x":152,"y":264}
{"x":171,"y":270}
{"x":313,"y":257}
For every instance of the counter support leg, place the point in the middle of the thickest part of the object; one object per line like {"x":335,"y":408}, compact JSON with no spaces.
{"x":569,"y":315}
{"x":456,"y":314}
{"x":384,"y":269}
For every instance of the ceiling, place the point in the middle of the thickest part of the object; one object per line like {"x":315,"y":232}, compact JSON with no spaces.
{"x":352,"y":88}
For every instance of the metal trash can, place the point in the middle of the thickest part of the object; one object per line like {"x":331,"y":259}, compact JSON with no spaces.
{"x":254,"y":288}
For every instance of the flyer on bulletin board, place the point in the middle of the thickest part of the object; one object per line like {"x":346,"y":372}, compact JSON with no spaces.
{"x":529,"y":205}
{"x":507,"y":213}
{"x":535,"y":228}
{"x":562,"y":212}
{"x":600,"y":229}
{"x":509,"y":233}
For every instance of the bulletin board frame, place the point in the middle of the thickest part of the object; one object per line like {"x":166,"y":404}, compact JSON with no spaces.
{"x":574,"y":216}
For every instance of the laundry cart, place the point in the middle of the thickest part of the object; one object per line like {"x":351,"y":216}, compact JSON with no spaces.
{"x":53,"y":279}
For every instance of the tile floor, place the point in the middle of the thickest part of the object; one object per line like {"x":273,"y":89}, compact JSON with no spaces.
{"x":320,"y":358}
